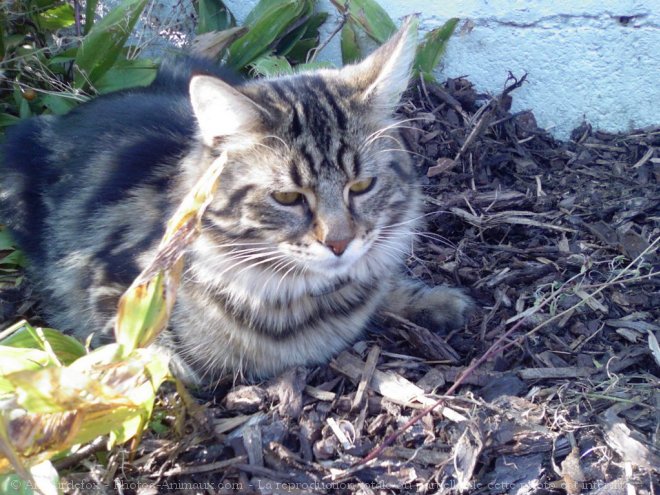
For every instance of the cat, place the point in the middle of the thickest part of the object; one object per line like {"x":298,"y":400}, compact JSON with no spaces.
{"x":302,"y":246}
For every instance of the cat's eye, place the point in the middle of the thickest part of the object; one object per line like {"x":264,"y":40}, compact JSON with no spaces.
{"x":362,"y":186}
{"x":288,"y":198}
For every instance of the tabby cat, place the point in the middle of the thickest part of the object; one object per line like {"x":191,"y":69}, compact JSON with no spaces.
{"x":302,"y":245}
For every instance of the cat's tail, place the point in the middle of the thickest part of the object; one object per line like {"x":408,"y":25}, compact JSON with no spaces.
{"x":175,"y":72}
{"x":24,"y":173}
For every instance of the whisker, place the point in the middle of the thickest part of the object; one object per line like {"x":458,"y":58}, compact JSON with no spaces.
{"x":395,"y":125}
{"x":277,"y":288}
{"x":387,"y":136}
{"x":243,"y":260}
{"x":408,"y":221}
{"x":272,"y":258}
{"x":391,"y":245}
{"x":281,"y":265}
{"x":421,"y":236}
{"x":404,"y":150}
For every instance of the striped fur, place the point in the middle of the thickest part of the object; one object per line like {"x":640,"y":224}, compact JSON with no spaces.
{"x":267,"y":285}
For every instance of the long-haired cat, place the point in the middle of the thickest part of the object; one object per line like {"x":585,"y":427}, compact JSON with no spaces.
{"x":303,"y":244}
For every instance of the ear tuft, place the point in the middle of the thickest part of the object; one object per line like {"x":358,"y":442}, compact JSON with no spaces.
{"x":220,"y":109}
{"x":384,"y":75}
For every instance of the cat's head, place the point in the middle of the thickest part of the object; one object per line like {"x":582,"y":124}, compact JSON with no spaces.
{"x":318,"y":176}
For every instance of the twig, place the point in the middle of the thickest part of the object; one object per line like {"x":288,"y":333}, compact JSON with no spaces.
{"x":367,"y":373}
{"x":485,"y":112}
{"x":71,"y":460}
{"x":339,"y":27}
{"x":206,"y":468}
{"x":625,"y":281}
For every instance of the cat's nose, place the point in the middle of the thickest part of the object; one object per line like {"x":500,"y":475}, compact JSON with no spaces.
{"x":337,"y":246}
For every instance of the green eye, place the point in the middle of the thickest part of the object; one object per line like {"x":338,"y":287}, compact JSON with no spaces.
{"x":288,"y":198}
{"x":362,"y":186}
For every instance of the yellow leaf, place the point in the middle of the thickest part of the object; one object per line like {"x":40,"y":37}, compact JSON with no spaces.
{"x":145,"y":307}
{"x":58,"y":407}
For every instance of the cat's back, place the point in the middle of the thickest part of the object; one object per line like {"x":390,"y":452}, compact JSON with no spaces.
{"x":104,"y":149}
{"x":86,"y":194}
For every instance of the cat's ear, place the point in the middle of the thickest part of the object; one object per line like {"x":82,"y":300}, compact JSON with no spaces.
{"x":383,"y":76}
{"x":221,"y":110}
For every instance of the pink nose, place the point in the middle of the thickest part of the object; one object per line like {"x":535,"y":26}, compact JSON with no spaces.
{"x":338,"y":247}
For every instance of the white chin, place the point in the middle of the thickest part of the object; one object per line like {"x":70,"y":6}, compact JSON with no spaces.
{"x":333,"y":267}
{"x":330,"y":265}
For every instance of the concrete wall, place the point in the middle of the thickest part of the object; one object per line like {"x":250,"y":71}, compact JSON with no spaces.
{"x":597,"y":60}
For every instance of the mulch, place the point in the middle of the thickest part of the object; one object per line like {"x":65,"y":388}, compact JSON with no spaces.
{"x":551,"y":388}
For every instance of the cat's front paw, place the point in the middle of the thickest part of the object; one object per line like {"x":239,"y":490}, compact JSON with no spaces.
{"x":440,"y":308}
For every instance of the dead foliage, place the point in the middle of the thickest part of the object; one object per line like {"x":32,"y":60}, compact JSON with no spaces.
{"x":557,"y":241}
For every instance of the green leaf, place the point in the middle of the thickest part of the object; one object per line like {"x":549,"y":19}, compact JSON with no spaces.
{"x":24,"y":109}
{"x":7,"y":119}
{"x":14,"y":258}
{"x":6,"y":241}
{"x":43,"y":4}
{"x":350,"y":49}
{"x":57,"y":17}
{"x":158,"y":423}
{"x":296,"y":31}
{"x":13,"y":484}
{"x":271,"y":66}
{"x":90,"y":15}
{"x":20,"y":359}
{"x":59,"y":104}
{"x":432,"y":47}
{"x":143,"y":312}
{"x":66,"y":348}
{"x":101,"y":47}
{"x":213,"y":15}
{"x":268,"y":21}
{"x":15,"y":359}
{"x":297,"y":44}
{"x":14,"y":40}
{"x":2,"y":36}
{"x":127,"y":74}
{"x":370,"y":16}
{"x":156,"y":367}
{"x":66,"y":56}
{"x":311,"y":66}
{"x":263,"y":8}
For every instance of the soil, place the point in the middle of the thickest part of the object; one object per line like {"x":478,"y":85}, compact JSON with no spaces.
{"x":551,"y":388}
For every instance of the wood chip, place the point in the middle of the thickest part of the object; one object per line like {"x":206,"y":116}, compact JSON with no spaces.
{"x":424,"y":455}
{"x":647,"y":156}
{"x":252,"y":444}
{"x":223,"y":425}
{"x":441,"y":166}
{"x":204,"y":468}
{"x":466,"y":454}
{"x":388,"y":384}
{"x":543,"y":373}
{"x":319,"y":394}
{"x":341,"y":436}
{"x":591,"y":301}
{"x":630,"y":445}
{"x":367,"y":373}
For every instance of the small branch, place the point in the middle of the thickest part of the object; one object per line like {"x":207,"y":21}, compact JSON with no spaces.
{"x":73,"y":459}
{"x":318,"y":49}
{"x":486,"y":111}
